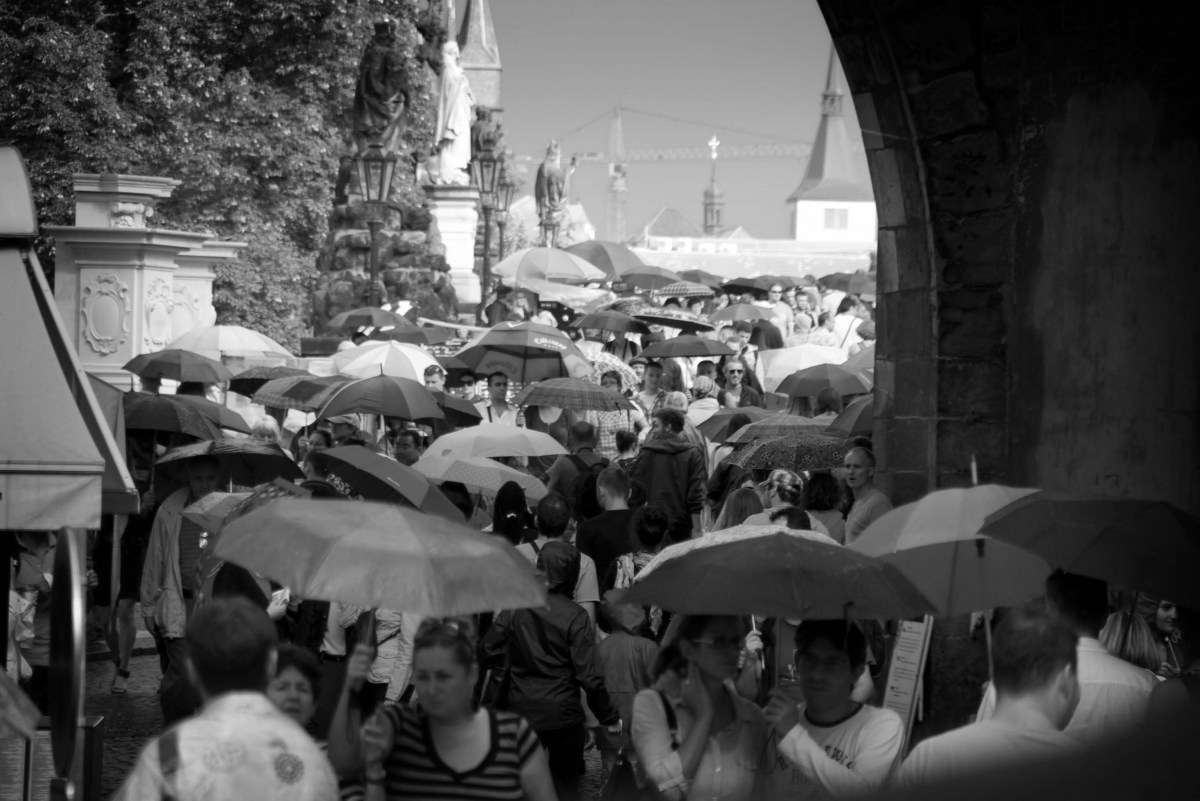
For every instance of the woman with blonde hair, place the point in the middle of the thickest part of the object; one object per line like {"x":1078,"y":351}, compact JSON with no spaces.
{"x":740,"y":506}
{"x":1127,"y":635}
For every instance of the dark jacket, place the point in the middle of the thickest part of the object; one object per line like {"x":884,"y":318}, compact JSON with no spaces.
{"x":672,"y":471}
{"x":551,"y":651}
{"x":749,"y":397}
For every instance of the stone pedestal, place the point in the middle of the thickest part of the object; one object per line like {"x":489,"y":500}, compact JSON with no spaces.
{"x":455,"y":211}
{"x":193,"y":284}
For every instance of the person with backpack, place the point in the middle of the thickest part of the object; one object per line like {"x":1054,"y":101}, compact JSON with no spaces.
{"x":553,"y":515}
{"x":672,"y":471}
{"x":607,"y":536}
{"x":571,"y":473}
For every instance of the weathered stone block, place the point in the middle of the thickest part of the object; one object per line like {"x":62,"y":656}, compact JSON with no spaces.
{"x":947,"y":105}
{"x":959,"y":441}
{"x":971,"y":324}
{"x":972,"y":390}
{"x":907,"y":324}
{"x":904,"y":486}
{"x":868,"y":121}
{"x":916,"y":388}
{"x":887,"y":268}
{"x":889,"y":186}
{"x":909,"y":442}
{"x":1001,"y":70}
{"x":968,"y":174}
{"x":913,"y":258}
{"x":974,"y":250}
{"x":932,"y":42}
{"x":415,"y":238}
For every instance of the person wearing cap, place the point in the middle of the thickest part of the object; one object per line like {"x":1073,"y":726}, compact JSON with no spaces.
{"x":704,"y":400}
{"x":345,"y":426}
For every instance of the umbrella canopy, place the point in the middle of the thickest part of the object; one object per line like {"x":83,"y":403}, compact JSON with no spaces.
{"x":779,"y":363}
{"x":811,"y":380}
{"x":457,"y":412}
{"x":216,"y":341}
{"x":609,"y":363}
{"x":382,"y":394}
{"x":687,"y":345}
{"x":381,"y":556}
{"x":862,"y":362}
{"x":572,"y":393}
{"x":777,"y":425}
{"x":758,"y":283}
{"x":478,"y":474}
{"x":613,"y":258}
{"x":178,"y":365}
{"x":685,"y":289}
{"x":857,"y":419}
{"x":414,"y":335}
{"x":495,"y":440}
{"x":367,"y":317}
{"x":378,"y":478}
{"x":524,"y":352}
{"x":741,"y":312}
{"x":374,"y":358}
{"x":146,"y":412}
{"x":218,"y":415}
{"x":702,"y":277}
{"x":1149,"y":546}
{"x":549,"y":263}
{"x":245,"y":462}
{"x":672,"y":318}
{"x":210,"y":511}
{"x":650,"y":278}
{"x":716,"y":428}
{"x":611,"y":320}
{"x":250,"y":381}
{"x":809,"y":450}
{"x":766,"y":571}
{"x":303,"y":392}
{"x":936,"y":543}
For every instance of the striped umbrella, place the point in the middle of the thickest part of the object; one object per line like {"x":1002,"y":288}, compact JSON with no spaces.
{"x":685,"y":289}
{"x":572,"y":393}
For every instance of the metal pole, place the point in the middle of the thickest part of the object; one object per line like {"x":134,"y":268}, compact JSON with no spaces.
{"x":373,"y":292}
{"x":485,"y":275}
{"x":500,"y":225}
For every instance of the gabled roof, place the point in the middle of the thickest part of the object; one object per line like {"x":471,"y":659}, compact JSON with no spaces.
{"x":737,"y":233}
{"x":836,"y":169}
{"x":670,"y":222}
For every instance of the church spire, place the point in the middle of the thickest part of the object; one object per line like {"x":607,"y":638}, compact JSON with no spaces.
{"x":831,"y":98}
{"x":714,"y":198}
{"x":480,"y":54}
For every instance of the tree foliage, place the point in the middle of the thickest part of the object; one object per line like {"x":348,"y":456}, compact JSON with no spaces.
{"x":247,"y":103}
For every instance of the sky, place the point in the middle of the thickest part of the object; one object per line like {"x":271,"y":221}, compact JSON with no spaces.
{"x":754,"y":66}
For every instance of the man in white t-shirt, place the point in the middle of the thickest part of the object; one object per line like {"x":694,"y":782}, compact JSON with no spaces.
{"x":1037,"y":691}
{"x":553,"y":515}
{"x":836,"y":748}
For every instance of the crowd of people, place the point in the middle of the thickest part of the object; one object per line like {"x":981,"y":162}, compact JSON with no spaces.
{"x":268,"y":695}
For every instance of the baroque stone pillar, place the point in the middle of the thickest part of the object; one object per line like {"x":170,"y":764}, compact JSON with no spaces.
{"x":193,"y":307}
{"x":455,"y":212}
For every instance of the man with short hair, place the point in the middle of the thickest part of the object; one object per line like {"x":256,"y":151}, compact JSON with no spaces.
{"x":838,"y":748}
{"x":239,"y":745}
{"x":496,"y":408}
{"x":652,"y":394}
{"x":781,"y":310}
{"x":553,"y":515}
{"x":435,"y":378}
{"x":1037,"y":691}
{"x":170,"y":582}
{"x":672,"y":471}
{"x":568,"y":467}
{"x":408,"y":447}
{"x":744,"y":350}
{"x":466,"y":387}
{"x":606,"y":536}
{"x":707,"y":368}
{"x":1114,"y":695}
{"x":737,"y":394}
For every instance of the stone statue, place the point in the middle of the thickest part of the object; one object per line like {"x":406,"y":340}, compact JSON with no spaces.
{"x":454,"y":111}
{"x":550,"y":192}
{"x":485,"y":133}
{"x":380,"y":95}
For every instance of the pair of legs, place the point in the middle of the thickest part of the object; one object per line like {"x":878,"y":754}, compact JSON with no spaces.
{"x":564,"y":748}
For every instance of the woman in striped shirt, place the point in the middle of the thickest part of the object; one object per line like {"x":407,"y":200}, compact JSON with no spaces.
{"x":446,"y":747}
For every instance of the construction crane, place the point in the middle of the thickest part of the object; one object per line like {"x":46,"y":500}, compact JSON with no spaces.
{"x":618,"y":158}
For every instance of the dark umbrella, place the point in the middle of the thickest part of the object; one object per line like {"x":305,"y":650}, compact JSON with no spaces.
{"x":458,"y":412}
{"x":524,"y":352}
{"x":813,"y":450}
{"x":146,"y":412}
{"x":277,"y":393}
{"x":702,"y":277}
{"x":378,"y":478}
{"x":388,"y":395}
{"x":613,"y":258}
{"x":366,"y":317}
{"x":811,"y":380}
{"x":838,"y":281}
{"x":687,"y":345}
{"x":760,"y":283}
{"x":780,"y":424}
{"x":414,"y":335}
{"x":178,"y":365}
{"x":651,"y":278}
{"x":216,"y":413}
{"x":746,"y":312}
{"x":858,"y":418}
{"x":572,"y":393}
{"x":716,"y":428}
{"x":611,"y":320}
{"x":246,"y":462}
{"x":250,"y":381}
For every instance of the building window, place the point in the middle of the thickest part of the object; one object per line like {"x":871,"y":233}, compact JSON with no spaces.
{"x":837,"y":218}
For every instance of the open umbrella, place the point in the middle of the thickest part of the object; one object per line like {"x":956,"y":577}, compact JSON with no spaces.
{"x":250,"y":381}
{"x":702,"y":277}
{"x":210,"y":511}
{"x":478,"y":474}
{"x":858,"y":418}
{"x":766,"y":571}
{"x":495,"y":440}
{"x":382,"y":394}
{"x":572,"y":393}
{"x":1150,"y":546}
{"x":146,"y":412}
{"x":524,"y":352}
{"x":779,"y":363}
{"x":650,"y":278}
{"x":178,"y":365}
{"x":687,"y":345}
{"x":672,"y":318}
{"x":381,"y":556}
{"x":811,"y":380}
{"x":245,"y":462}
{"x":374,"y":358}
{"x":367,"y":317}
{"x":758,"y":283}
{"x":220,"y":416}
{"x":741,"y":312}
{"x":862,"y":362}
{"x":414,"y":335}
{"x":549,"y":263}
{"x":780,"y":424}
{"x":457,"y":412}
{"x":813,"y":450}
{"x":216,"y":341}
{"x":611,"y":320}
{"x":304,"y":392}
{"x":608,"y":363}
{"x":716,"y":428}
{"x":378,"y":478}
{"x":685,"y":289}
{"x":936,"y":543}
{"x":613,"y":258}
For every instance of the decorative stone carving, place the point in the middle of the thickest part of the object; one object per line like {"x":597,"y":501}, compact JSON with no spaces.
{"x":129,"y":215}
{"x":186,"y":309}
{"x":159,"y":304}
{"x":105,"y":312}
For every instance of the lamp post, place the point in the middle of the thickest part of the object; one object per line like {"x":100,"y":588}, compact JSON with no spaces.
{"x":485,"y":174}
{"x":503,"y":202}
{"x":375,"y":170}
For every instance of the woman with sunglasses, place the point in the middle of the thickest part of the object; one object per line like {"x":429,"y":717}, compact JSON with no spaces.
{"x":446,"y":746}
{"x":695,"y":737}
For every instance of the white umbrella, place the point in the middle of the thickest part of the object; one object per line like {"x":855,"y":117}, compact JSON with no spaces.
{"x":397,"y":359}
{"x":478,"y":474}
{"x":549,"y":263}
{"x":776,"y":365}
{"x":495,"y":440}
{"x":216,"y":341}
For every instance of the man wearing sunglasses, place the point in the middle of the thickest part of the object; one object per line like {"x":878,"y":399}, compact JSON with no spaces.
{"x":737,"y":393}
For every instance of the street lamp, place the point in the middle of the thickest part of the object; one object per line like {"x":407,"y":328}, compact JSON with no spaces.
{"x":485,"y":174}
{"x":504,"y":200}
{"x":375,"y":170}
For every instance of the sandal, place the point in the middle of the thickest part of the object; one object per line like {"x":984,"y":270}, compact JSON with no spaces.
{"x":121,"y":677}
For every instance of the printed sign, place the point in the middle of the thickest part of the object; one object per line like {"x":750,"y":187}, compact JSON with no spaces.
{"x":908,"y":665}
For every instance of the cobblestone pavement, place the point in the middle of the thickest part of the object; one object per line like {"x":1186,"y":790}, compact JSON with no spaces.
{"x":131,"y":720}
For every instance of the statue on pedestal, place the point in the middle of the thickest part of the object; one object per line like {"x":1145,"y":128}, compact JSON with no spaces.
{"x":380,"y":96}
{"x":453,"y":130}
{"x":550,"y":192}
